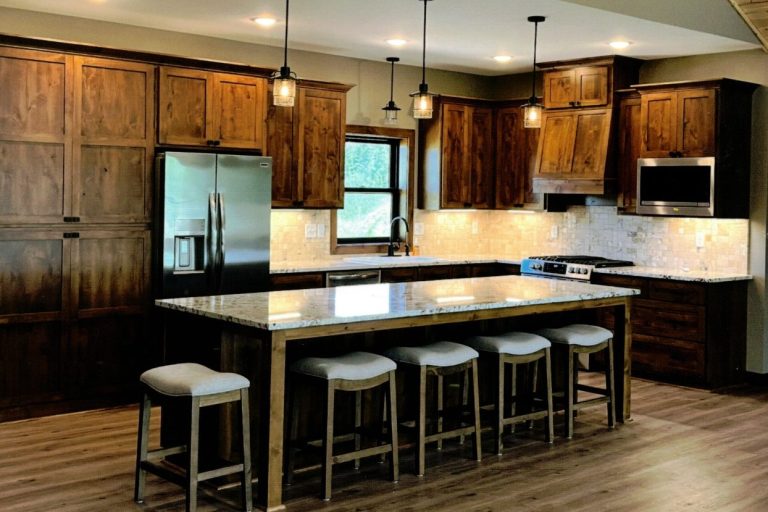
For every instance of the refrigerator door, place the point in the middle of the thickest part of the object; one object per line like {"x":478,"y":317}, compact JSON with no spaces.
{"x":244,"y":198}
{"x":188,"y":195}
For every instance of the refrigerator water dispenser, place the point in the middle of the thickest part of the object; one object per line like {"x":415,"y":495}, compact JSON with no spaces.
{"x":188,"y":241}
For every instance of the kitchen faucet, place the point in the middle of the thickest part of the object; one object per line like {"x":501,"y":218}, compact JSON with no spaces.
{"x":393,"y":246}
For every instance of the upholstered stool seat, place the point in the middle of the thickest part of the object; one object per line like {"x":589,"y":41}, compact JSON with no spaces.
{"x":440,"y":359}
{"x":355,"y":371}
{"x":513,"y":348}
{"x":199,"y":387}
{"x":577,"y":339}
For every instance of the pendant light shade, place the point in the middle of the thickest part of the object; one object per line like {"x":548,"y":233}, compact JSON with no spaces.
{"x":532,"y":110}
{"x":390,"y":111}
{"x":284,"y":85}
{"x":422,"y":100}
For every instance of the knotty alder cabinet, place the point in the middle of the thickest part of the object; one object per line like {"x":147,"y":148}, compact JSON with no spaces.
{"x":475,"y":154}
{"x":585,"y":86}
{"x":686,"y":332}
{"x":207,"y":108}
{"x":76,"y":149}
{"x":306,"y":143}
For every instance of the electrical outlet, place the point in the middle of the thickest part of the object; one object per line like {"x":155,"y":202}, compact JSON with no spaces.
{"x":310,"y":230}
{"x":418,"y":228}
{"x":475,"y":227}
{"x":320,"y":230}
{"x":699,"y":239}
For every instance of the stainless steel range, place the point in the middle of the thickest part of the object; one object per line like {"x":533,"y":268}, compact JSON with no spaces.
{"x":578,"y":268}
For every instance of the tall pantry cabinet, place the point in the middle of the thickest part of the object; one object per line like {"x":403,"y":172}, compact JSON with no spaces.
{"x":76,"y":149}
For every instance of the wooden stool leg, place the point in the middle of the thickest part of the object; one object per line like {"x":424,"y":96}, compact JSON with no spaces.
{"x":569,"y":394}
{"x":499,"y":430}
{"x":533,"y":367}
{"x":245,"y":420}
{"x":328,"y":441}
{"x":513,"y":394}
{"x":439,"y":410}
{"x":550,"y":435}
{"x":293,"y":429}
{"x":464,"y":397}
{"x":391,"y":394}
{"x":609,"y":386}
{"x":476,"y":410}
{"x":145,"y":411}
{"x":358,"y":423}
{"x":192,"y":452}
{"x":421,"y":420}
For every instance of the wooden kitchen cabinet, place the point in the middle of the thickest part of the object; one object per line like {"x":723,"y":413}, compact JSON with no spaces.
{"x":692,"y":333}
{"x":629,"y":143}
{"x":515,"y":159}
{"x":206,"y":108}
{"x":584,"y":86}
{"x":573,"y":151}
{"x":678,"y":123}
{"x":306,"y":143}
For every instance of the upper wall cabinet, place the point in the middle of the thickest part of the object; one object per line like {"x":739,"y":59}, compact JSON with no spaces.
{"x":76,"y":138}
{"x":677,"y":123}
{"x":306,"y":143}
{"x":577,"y":142}
{"x":204,"y":108}
{"x":585,"y":86}
{"x":474,"y":154}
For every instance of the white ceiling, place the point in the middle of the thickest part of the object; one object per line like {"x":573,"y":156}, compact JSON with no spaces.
{"x":462,"y":35}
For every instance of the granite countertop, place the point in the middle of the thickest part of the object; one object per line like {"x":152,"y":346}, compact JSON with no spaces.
{"x":328,"y":306}
{"x":363,"y":262}
{"x":677,"y":274}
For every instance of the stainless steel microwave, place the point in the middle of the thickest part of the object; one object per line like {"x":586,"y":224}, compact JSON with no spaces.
{"x":676,"y":186}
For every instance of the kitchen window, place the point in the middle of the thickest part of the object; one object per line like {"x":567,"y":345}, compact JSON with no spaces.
{"x":377,"y":181}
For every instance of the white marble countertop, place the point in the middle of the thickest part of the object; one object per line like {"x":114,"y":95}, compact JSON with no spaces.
{"x":677,"y":274}
{"x":328,"y":306}
{"x":356,"y":263}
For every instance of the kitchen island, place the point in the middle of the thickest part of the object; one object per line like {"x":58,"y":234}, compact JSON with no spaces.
{"x":257,"y":328}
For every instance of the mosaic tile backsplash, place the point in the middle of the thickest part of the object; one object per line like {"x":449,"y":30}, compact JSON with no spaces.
{"x":718,"y":245}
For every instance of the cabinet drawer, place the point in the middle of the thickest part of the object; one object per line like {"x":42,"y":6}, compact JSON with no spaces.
{"x":681,"y":321}
{"x":637,"y":283}
{"x":667,"y":357}
{"x":399,"y":275}
{"x":296,"y":281}
{"x":437,"y":272}
{"x":677,"y":291}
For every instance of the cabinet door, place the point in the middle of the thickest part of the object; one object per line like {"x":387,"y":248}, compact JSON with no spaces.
{"x":658,"y":123}
{"x":455,"y":178}
{"x":113,"y":140}
{"x":591,"y":86}
{"x":319,"y":145}
{"x":238,"y":111}
{"x":185,"y":99}
{"x":279,"y":145}
{"x":35,"y":136}
{"x":555,"y":153}
{"x":629,"y":151}
{"x":559,"y":88}
{"x":515,"y":159}
{"x":590,"y":148}
{"x":696,"y":122}
{"x":481,"y":157}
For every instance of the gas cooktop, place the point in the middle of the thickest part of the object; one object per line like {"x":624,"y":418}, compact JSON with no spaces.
{"x":578,"y":267}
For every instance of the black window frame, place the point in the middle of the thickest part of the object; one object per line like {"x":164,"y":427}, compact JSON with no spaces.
{"x":394,"y":189}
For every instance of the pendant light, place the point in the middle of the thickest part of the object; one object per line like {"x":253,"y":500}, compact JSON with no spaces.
{"x":284,"y":86}
{"x":390,"y":111}
{"x":422,"y":100}
{"x":532,"y":110}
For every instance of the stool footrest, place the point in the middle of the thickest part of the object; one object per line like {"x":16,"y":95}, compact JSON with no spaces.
{"x":535,"y":415}
{"x":592,"y":389}
{"x":213,"y":473}
{"x":165,"y":452}
{"x":439,"y":436}
{"x":173,"y":475}
{"x":361,"y":454}
{"x":589,"y":403}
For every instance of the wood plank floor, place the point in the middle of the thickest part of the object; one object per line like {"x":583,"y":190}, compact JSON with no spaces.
{"x":685,"y":449}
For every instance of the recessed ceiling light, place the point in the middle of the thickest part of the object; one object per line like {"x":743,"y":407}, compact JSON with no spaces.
{"x":264,"y":21}
{"x":502,"y":58}
{"x":396,"y":42}
{"x":619,"y":45}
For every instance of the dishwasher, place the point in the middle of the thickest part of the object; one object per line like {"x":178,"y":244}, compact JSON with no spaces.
{"x":350,"y":277}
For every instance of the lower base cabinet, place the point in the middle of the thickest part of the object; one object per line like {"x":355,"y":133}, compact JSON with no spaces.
{"x":684,"y":332}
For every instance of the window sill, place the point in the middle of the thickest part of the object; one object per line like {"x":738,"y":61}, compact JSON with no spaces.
{"x":375,"y":248}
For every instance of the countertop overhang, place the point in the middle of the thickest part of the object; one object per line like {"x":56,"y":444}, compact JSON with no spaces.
{"x":293,"y":309}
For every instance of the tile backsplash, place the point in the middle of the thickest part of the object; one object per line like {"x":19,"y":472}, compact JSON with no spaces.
{"x":719,"y":245}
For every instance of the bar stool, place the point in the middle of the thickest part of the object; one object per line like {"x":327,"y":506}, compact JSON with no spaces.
{"x":440,"y":359}
{"x":584,"y":339}
{"x":199,"y":387}
{"x":356,"y":371}
{"x":513,"y":348}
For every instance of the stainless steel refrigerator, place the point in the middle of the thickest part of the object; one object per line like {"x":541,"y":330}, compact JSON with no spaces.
{"x":212,"y":223}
